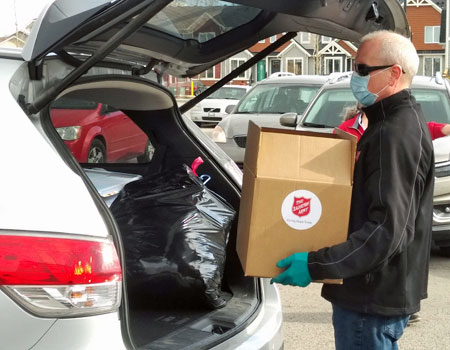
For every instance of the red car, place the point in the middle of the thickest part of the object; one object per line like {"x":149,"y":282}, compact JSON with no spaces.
{"x":97,"y":133}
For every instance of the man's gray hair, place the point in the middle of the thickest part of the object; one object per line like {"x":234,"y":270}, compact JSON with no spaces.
{"x":396,"y":49}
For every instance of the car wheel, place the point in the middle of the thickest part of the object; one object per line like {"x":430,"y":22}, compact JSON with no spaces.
{"x":97,"y":152}
{"x":148,"y":153}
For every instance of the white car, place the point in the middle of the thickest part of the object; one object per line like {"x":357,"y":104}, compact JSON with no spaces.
{"x":211,"y":110}
{"x":65,"y":277}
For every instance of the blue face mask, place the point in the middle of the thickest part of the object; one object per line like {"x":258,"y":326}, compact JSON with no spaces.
{"x":359,"y":85}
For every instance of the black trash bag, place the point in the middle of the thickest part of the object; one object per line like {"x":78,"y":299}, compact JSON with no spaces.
{"x":175,"y":233}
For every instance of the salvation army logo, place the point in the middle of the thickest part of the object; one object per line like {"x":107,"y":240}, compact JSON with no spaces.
{"x":301,"y":209}
{"x":301,"y":206}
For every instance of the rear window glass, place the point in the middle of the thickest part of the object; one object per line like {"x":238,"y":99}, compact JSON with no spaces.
{"x":201,"y":20}
{"x":434,"y":103}
{"x":99,"y":133}
{"x":277,"y":98}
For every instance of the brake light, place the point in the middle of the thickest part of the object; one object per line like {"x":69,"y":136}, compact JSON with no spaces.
{"x":56,"y":277}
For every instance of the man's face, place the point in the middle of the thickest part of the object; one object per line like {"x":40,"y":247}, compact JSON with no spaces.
{"x":367,"y":54}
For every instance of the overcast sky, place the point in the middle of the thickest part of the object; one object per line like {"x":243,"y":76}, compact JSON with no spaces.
{"x":26,"y":10}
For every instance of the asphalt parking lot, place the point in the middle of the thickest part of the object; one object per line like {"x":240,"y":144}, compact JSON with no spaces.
{"x":307,"y":317}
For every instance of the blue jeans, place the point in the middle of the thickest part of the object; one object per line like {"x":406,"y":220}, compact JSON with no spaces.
{"x":358,"y":331}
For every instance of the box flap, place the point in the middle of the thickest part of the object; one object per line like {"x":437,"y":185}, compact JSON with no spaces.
{"x":299,"y":155}
{"x":252,"y":146}
{"x":347,"y":136}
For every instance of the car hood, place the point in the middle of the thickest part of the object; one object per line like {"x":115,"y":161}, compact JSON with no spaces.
{"x":72,"y":117}
{"x":442,"y":149}
{"x":185,"y":37}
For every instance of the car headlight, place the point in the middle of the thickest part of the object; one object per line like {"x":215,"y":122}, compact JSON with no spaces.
{"x":218,"y":135}
{"x":69,"y":133}
{"x":197,"y":108}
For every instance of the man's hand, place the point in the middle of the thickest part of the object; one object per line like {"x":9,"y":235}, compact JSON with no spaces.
{"x":297,"y":273}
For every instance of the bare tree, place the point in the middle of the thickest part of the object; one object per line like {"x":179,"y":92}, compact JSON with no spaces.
{"x":317,"y":65}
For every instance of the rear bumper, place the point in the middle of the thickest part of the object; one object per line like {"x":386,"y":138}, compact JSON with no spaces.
{"x":23,"y":331}
{"x":207,"y":117}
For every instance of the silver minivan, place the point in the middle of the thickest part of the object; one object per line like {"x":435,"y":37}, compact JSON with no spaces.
{"x":65,"y":280}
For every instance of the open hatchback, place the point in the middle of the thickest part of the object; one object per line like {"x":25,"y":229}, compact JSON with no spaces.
{"x":66,"y":280}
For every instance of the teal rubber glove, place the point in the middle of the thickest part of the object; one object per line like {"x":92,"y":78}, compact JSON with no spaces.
{"x":296,"y":273}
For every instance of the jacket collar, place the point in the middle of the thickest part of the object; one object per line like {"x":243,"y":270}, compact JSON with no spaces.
{"x":383,"y":108}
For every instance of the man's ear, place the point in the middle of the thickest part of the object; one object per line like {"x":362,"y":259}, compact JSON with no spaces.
{"x":396,"y":73}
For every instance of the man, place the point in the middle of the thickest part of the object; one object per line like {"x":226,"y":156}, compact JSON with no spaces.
{"x":384,"y":262}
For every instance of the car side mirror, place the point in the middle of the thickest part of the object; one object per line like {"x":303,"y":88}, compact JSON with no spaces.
{"x":229,"y":109}
{"x":289,"y":119}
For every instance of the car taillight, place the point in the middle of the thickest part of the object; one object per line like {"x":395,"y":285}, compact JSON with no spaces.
{"x":57,"y":277}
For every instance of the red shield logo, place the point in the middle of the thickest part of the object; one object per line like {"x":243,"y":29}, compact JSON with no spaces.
{"x":301,"y":206}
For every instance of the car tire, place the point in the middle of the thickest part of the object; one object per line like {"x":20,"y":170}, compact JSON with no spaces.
{"x":148,"y":154}
{"x":97,"y":152}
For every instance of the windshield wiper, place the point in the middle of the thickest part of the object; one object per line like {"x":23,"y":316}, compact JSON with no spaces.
{"x":315,"y":125}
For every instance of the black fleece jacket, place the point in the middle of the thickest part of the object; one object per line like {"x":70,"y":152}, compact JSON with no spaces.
{"x":385,"y":260}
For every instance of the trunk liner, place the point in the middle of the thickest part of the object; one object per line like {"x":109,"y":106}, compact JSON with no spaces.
{"x":175,"y":329}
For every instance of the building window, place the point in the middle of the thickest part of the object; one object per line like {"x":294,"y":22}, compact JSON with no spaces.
{"x":349,"y":65}
{"x":432,"y":34}
{"x":207,"y":74}
{"x":305,"y":38}
{"x":333,"y":64}
{"x":203,"y":37}
{"x":431,"y":65}
{"x":295,"y":65}
{"x":273,"y":38}
{"x":235,"y":62}
{"x":326,"y":39}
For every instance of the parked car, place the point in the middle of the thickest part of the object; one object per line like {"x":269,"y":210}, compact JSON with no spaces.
{"x":64,"y":281}
{"x":328,"y":108}
{"x":211,"y":110}
{"x":98,"y":133}
{"x":264,"y":104}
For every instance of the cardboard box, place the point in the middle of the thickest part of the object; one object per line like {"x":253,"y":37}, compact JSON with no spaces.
{"x":296,"y":195}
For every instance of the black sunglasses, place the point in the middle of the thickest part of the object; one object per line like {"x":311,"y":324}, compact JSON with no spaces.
{"x":363,"y":69}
